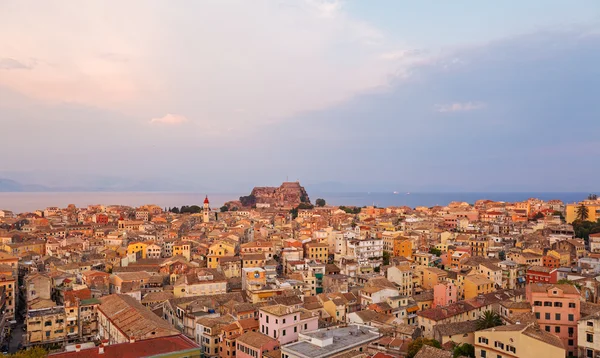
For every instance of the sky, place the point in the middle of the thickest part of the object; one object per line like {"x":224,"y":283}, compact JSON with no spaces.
{"x":347,"y":95}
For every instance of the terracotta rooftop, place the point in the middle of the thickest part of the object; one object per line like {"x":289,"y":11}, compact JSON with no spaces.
{"x":255,"y":339}
{"x":145,"y":348}
{"x":133,"y":319}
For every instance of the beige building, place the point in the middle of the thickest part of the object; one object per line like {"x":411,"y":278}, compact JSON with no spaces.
{"x":46,"y":325}
{"x":205,"y":282}
{"x":588,"y":336}
{"x":518,"y":341}
{"x":402,"y":276}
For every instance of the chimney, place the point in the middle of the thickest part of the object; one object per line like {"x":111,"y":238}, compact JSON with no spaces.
{"x":101,"y":348}
{"x":78,"y":348}
{"x":132,"y":340}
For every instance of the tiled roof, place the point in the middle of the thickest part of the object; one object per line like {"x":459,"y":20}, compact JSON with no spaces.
{"x":133,"y":319}
{"x":255,"y":339}
{"x":432,"y":352}
{"x":145,"y":348}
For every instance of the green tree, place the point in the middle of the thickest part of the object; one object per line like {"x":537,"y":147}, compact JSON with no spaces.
{"x":320,"y":202}
{"x":502,"y":255}
{"x":583,"y":229}
{"x":415,"y":346}
{"x":294,"y":213}
{"x":35,"y":352}
{"x":386,"y":258}
{"x":435,"y":251}
{"x":305,"y":206}
{"x":582,"y":213}
{"x":224,"y":208}
{"x":464,"y":350}
{"x":538,"y":216}
{"x":488,"y":319}
{"x":175,"y":210}
{"x":592,"y":197}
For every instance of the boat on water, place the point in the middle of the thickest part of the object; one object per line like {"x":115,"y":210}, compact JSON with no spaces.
{"x":396,"y":193}
{"x":407,"y":193}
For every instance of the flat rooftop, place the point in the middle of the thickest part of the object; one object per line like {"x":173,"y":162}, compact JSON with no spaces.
{"x":324,"y":343}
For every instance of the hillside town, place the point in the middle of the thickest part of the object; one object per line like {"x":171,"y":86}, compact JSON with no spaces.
{"x":274,"y":275}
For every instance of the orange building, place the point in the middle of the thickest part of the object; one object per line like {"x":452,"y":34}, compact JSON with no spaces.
{"x":403,"y":247}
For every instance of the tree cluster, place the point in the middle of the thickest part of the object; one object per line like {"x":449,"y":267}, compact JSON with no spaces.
{"x":193,"y":209}
{"x":584,"y":228}
{"x":320,"y":202}
{"x":350,"y":210}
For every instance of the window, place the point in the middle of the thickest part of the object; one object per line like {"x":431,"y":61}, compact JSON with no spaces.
{"x":537,"y":315}
{"x":295,"y":329}
{"x":483,"y":354}
{"x":547,"y":315}
{"x":557,"y":316}
{"x":305,"y":326}
{"x":557,"y":329}
{"x":284,"y":321}
{"x":547,"y":304}
{"x":589,"y":338}
{"x":283,"y":333}
{"x":557,"y":304}
{"x":547,"y":328}
{"x":590,"y":324}
{"x":570,"y":342}
{"x":571,"y":305}
{"x":572,"y":318}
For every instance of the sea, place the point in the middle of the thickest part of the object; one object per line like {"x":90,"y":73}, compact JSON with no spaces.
{"x":25,"y":202}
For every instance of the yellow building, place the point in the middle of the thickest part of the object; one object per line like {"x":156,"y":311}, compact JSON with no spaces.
{"x":432,"y":276}
{"x":403,"y":247}
{"x":182,"y":248}
{"x":253,"y":260}
{"x":46,"y":325}
{"x":218,"y":250}
{"x":317,"y":251}
{"x":136,"y":247}
{"x":476,"y":285}
{"x":8,"y":284}
{"x":21,"y":248}
{"x":593,"y":207}
{"x":479,"y":246}
{"x":563,"y":256}
{"x":518,"y":341}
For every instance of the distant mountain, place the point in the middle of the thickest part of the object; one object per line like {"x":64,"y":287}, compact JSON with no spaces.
{"x":9,"y":185}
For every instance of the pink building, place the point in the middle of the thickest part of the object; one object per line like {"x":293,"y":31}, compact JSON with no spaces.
{"x":444,"y":293}
{"x":284,"y":323}
{"x":253,"y":344}
{"x":557,"y":310}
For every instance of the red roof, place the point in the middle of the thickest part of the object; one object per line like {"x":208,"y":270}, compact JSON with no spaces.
{"x":206,"y":200}
{"x":144,"y":348}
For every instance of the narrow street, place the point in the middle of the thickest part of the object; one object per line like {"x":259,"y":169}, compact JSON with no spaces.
{"x":16,"y":336}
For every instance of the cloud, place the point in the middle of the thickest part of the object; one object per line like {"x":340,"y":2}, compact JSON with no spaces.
{"x":274,"y":59}
{"x":459,"y":107}
{"x":170,"y":119}
{"x":12,"y":64}
{"x":402,"y":54}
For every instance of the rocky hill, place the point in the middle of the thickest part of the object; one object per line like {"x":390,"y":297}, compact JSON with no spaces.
{"x":288,"y":194}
